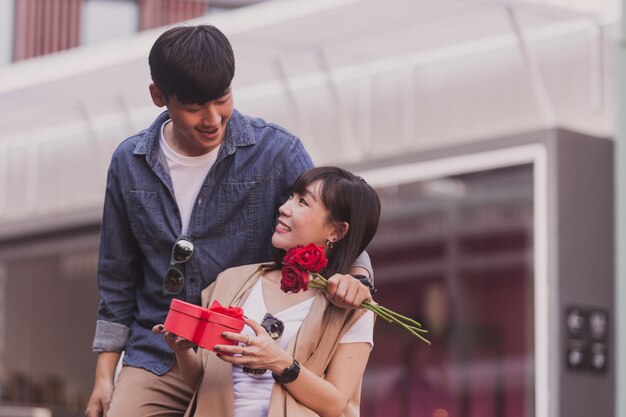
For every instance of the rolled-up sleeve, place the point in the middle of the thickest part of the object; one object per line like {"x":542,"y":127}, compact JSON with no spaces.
{"x":110,"y":336}
{"x":364,"y":262}
{"x":119,"y":269}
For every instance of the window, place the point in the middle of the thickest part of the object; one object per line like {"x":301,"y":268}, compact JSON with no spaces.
{"x":45,"y":26}
{"x":456,"y":253}
{"x":155,"y":13}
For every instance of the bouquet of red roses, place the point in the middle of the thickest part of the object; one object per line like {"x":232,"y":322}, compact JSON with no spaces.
{"x":302,"y":262}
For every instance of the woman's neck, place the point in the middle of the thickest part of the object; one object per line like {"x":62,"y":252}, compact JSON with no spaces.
{"x":277,"y":300}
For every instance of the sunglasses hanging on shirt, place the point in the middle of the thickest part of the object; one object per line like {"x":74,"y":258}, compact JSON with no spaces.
{"x":174,"y":279}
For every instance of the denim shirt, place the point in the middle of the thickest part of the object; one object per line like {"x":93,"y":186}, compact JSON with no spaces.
{"x":231,"y":224}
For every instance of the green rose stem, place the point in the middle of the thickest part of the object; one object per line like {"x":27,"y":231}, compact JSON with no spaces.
{"x":409,"y":324}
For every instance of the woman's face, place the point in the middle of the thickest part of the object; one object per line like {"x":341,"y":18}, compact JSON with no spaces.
{"x":303,"y":219}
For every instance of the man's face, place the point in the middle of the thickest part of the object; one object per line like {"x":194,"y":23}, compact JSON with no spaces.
{"x":196,"y":129}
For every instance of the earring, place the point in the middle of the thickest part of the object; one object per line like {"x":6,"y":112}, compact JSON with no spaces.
{"x":330,"y":243}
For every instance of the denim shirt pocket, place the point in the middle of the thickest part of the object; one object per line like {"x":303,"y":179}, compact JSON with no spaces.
{"x":147,"y":219}
{"x":237,"y":207}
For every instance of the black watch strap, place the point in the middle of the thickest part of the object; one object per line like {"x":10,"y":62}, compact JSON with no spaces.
{"x":289,"y":374}
{"x":366,"y":281}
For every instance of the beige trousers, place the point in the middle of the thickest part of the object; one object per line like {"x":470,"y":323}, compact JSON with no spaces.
{"x":140,"y":393}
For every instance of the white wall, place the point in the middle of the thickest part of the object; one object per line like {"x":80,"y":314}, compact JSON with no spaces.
{"x":97,"y":18}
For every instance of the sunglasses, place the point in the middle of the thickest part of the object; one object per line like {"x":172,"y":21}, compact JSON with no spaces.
{"x":274,"y":328}
{"x":174,"y":280}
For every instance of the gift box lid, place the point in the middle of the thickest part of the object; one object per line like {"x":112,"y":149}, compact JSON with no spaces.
{"x":206,"y":314}
{"x":189,"y":309}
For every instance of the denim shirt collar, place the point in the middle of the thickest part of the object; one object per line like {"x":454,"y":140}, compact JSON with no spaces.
{"x":238,"y":133}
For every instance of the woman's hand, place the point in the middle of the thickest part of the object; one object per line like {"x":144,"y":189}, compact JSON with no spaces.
{"x":176,"y":343}
{"x":347,"y":292}
{"x":257,"y":352}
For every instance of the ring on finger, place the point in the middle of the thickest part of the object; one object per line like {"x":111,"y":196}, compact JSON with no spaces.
{"x":243,"y":350}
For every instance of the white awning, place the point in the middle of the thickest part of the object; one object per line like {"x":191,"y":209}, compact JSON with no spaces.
{"x":355,"y":79}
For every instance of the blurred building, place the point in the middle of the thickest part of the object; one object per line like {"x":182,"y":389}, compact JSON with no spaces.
{"x":486,"y":127}
{"x":40,"y":27}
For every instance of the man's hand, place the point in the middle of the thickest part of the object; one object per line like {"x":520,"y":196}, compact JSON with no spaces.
{"x":347,"y":292}
{"x":98,"y":405}
{"x":176,"y":343}
{"x":100,"y":400}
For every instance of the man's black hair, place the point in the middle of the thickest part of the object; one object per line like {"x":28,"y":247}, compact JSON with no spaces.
{"x":195,"y":64}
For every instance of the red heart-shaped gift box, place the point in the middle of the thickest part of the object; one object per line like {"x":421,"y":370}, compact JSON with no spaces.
{"x":201,"y":325}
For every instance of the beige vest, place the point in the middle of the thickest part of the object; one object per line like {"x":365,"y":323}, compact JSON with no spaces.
{"x":214,"y":396}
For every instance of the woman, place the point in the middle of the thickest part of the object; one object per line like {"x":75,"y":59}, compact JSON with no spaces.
{"x":315,"y":353}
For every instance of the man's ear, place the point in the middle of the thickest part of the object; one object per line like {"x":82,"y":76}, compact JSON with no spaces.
{"x":157,"y":95}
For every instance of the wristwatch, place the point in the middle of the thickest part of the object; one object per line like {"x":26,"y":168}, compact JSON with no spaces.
{"x":289,"y":374}
{"x":366,"y":281}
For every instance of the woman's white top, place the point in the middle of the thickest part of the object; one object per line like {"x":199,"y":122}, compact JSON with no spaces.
{"x":252,"y":392}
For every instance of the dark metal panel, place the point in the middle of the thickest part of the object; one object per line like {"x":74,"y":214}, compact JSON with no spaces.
{"x":585,"y":233}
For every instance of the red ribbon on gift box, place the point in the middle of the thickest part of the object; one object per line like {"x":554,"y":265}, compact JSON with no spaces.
{"x":234,"y":312}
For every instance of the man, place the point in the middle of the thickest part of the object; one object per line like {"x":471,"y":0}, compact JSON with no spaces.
{"x":202,"y":179}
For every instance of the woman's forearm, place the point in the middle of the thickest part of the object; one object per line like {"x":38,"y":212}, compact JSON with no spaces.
{"x":317,"y":394}
{"x":330,"y":396}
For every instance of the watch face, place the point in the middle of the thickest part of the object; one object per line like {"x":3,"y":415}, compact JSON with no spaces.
{"x":292,"y":372}
{"x":289,"y":374}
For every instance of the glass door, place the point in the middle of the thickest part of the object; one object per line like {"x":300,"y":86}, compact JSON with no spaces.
{"x":458,"y":254}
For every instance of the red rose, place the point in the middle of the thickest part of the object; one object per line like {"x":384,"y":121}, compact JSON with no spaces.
{"x":294,"y":279}
{"x":311,"y":257}
{"x":298,"y":262}
{"x":289,"y":259}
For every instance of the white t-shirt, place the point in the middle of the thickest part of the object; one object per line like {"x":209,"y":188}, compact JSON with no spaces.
{"x":188,"y":174}
{"x":252,"y":392}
